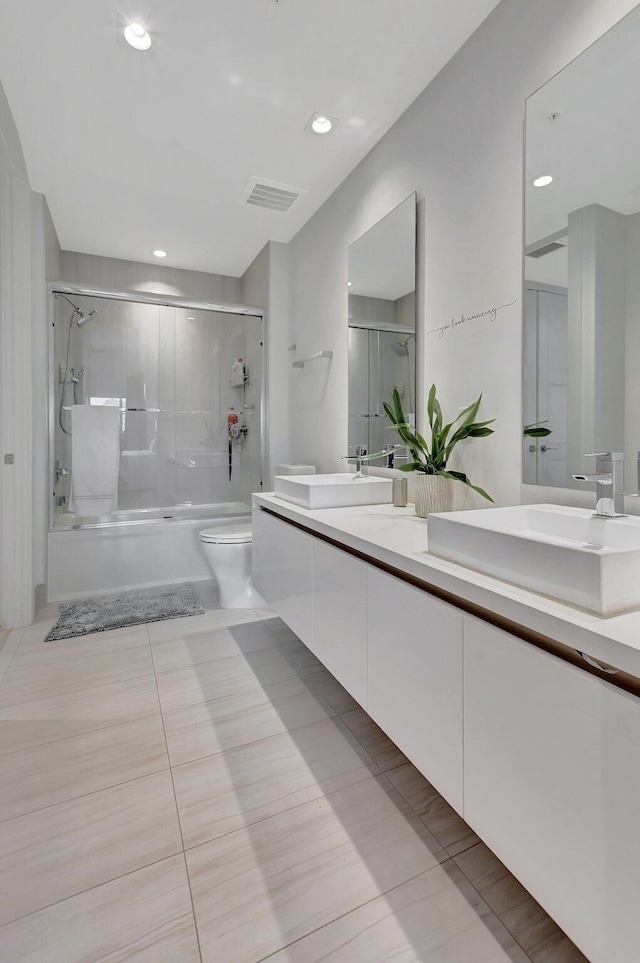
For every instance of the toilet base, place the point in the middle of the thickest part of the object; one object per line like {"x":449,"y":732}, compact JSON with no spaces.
{"x":227,"y":549}
{"x":247,"y":599}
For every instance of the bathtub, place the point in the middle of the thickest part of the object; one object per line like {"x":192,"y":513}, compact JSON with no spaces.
{"x":132,"y":549}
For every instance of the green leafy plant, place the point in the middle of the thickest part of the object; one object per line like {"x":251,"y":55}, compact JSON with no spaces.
{"x":534,"y":430}
{"x":431,"y":459}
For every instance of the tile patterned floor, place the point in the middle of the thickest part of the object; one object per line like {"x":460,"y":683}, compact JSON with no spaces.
{"x":203,"y":789}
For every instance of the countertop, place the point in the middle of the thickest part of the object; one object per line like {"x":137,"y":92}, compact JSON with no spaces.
{"x":398,"y":537}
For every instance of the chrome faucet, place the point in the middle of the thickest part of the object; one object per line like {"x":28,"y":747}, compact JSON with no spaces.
{"x":361,"y":457}
{"x":609,"y":479}
{"x":389,"y":455}
{"x":357,"y":459}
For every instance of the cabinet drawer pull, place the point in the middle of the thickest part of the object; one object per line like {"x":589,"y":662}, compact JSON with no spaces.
{"x":596,"y":665}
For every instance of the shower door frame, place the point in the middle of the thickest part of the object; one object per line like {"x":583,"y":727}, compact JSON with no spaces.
{"x":162,"y":300}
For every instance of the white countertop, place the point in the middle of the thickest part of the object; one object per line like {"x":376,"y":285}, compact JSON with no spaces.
{"x":399,"y":538}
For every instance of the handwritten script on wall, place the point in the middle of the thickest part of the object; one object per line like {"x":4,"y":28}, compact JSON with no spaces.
{"x":490,"y":313}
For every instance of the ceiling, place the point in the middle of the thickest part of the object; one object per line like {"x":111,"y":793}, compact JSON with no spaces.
{"x":136,"y":151}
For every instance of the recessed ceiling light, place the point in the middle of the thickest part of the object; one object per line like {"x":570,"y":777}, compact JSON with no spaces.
{"x":136,"y":36}
{"x":159,"y":253}
{"x":321,"y":124}
{"x":349,"y":283}
{"x":543,"y":181}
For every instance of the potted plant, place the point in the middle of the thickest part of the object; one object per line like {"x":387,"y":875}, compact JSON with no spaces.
{"x":434,"y":487}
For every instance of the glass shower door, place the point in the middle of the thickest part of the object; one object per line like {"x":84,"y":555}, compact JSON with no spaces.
{"x":188,"y":387}
{"x":218,"y":383}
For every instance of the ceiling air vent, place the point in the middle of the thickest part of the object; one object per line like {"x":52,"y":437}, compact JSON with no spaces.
{"x":269,"y":194}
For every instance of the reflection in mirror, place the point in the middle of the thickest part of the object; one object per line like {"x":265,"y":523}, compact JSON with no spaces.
{"x":582,"y":250}
{"x":382,"y":341}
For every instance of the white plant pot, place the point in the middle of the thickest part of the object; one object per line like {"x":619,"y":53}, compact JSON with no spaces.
{"x":432,"y":493}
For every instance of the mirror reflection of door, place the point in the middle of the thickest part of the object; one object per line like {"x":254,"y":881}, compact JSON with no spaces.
{"x":546,"y":329}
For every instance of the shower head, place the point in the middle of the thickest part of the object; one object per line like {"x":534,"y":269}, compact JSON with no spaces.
{"x":86,"y":317}
{"x":400,"y":348}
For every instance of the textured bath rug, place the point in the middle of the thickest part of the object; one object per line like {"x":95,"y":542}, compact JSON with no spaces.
{"x":106,"y":612}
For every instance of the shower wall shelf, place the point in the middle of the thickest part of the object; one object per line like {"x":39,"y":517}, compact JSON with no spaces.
{"x":320,"y":354}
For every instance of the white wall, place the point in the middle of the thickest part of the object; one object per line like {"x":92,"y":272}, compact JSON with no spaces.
{"x":459,"y":146}
{"x":114,"y":274}
{"x":266,"y":283}
{"x":23,"y":339}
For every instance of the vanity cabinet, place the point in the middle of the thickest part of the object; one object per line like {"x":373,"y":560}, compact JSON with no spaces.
{"x":552,"y":785}
{"x":415,"y":678}
{"x":339,"y":637}
{"x":282,"y":568}
{"x":319,"y":591}
{"x":541,"y":758}
{"x":396,"y":649}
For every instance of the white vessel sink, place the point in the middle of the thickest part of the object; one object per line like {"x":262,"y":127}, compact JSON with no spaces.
{"x":565,"y":553}
{"x":332,"y":491}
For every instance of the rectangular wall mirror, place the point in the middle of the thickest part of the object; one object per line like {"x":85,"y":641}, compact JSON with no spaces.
{"x":382,"y":329}
{"x":582,"y":263}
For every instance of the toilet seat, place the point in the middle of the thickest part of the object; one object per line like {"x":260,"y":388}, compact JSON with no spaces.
{"x":235,"y":534}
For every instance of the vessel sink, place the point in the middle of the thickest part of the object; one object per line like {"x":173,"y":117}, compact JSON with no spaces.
{"x":332,"y":491}
{"x":566,"y":553}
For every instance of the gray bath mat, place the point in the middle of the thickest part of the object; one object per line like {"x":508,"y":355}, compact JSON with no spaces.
{"x":106,"y":612}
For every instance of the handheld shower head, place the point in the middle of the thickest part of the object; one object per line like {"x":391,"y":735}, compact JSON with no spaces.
{"x":86,"y":317}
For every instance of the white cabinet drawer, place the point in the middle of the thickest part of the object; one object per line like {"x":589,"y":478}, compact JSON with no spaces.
{"x":340,"y":617}
{"x":552,"y":785}
{"x":282,"y":571}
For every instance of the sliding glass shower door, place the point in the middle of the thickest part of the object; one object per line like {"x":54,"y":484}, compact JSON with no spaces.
{"x":188,"y":387}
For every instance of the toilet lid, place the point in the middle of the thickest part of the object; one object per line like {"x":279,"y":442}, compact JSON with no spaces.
{"x":229,"y":534}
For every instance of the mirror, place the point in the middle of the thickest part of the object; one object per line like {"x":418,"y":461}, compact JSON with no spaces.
{"x":382,"y":329}
{"x":581,"y":266}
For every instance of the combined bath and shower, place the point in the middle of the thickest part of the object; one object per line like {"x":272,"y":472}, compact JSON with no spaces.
{"x":80,"y":317}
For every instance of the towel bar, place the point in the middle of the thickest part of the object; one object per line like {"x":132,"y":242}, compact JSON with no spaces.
{"x":320,"y":354}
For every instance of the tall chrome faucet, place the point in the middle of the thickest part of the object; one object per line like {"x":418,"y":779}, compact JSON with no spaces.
{"x":357,"y":459}
{"x":362,"y":458}
{"x":609,"y":479}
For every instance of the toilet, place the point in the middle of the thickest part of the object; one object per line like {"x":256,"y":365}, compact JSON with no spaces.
{"x":227,"y":548}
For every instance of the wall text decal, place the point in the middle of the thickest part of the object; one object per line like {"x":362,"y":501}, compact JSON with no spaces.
{"x":491,"y":313}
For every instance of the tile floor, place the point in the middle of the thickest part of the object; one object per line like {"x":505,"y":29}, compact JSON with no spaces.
{"x":203,"y":789}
